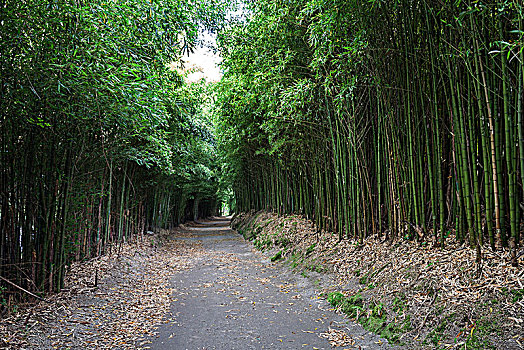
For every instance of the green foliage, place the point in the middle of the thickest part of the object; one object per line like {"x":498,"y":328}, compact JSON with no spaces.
{"x":263,"y":244}
{"x":362,"y":116}
{"x":310,"y":249}
{"x":351,"y":306}
{"x":476,"y":338}
{"x":277,"y":256}
{"x":282,"y":241}
{"x":475,"y":335}
{"x":518,"y":294}
{"x":373,"y":318}
{"x":315,"y":267}
{"x":437,"y":334}
{"x":101,"y":137}
{"x":295,"y":259}
{"x":399,"y":304}
{"x":515,"y":294}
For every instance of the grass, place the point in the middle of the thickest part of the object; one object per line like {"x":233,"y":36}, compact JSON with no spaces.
{"x":310,"y":249}
{"x":399,"y":304}
{"x":373,"y":317}
{"x":282,"y":241}
{"x":351,"y":306}
{"x":517,"y":295}
{"x":477,"y":336}
{"x":437,"y":334}
{"x":262,"y":243}
{"x":295,"y":259}
{"x":474,"y":337}
{"x":314,"y":266}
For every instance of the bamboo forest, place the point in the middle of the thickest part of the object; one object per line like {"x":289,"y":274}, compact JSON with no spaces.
{"x":396,"y":121}
{"x":401,"y":117}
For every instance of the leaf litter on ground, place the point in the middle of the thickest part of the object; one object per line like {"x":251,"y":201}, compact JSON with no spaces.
{"x":430,"y":287}
{"x":122,"y":311}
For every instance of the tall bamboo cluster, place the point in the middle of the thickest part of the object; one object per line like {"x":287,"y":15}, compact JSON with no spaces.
{"x":400,"y":118}
{"x":99,"y":140}
{"x":60,"y":205}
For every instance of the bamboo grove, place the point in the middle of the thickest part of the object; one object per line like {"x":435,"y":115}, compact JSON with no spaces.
{"x":401,"y":118}
{"x":100,"y":140}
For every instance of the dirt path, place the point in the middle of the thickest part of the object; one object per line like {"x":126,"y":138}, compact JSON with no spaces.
{"x":233,"y":297}
{"x":200,"y":287}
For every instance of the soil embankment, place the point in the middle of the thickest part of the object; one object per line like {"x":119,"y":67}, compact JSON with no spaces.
{"x":411,"y":293}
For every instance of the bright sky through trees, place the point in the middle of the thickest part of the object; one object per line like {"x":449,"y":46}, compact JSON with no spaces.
{"x":203,"y":62}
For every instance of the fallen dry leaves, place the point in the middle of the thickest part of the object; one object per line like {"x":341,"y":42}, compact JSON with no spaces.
{"x":337,"y":338}
{"x":432,"y":282}
{"x":129,"y":302}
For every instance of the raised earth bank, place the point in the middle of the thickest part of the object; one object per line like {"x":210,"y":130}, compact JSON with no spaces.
{"x":410,"y":293}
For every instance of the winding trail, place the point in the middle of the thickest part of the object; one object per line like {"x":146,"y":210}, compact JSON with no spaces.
{"x":234,"y":297}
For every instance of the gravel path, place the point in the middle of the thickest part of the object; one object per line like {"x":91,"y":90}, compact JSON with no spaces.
{"x":233,"y":297}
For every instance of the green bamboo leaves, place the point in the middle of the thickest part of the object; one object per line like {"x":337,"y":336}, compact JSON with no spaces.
{"x":400,"y":118}
{"x":100,"y":141}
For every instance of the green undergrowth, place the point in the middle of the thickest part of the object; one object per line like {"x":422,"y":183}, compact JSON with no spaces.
{"x":438,"y":333}
{"x":514,"y":294}
{"x":372,"y":317}
{"x":277,"y":256}
{"x":474,"y":336}
{"x":276,"y":239}
{"x":478,"y":335}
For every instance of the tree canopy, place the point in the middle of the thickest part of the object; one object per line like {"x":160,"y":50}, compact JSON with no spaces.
{"x":400,"y":119}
